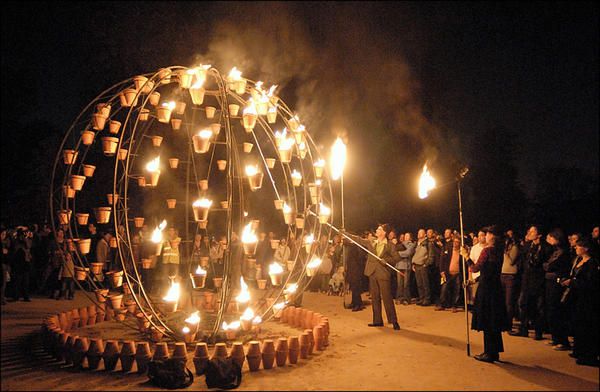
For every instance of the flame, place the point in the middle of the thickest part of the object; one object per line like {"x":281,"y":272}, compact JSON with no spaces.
{"x":200,"y":73}
{"x":281,"y":135}
{"x":275,"y":268}
{"x":291,"y":288}
{"x":248,"y":236}
{"x":302,"y":146}
{"x":318,"y":183}
{"x":251,"y":170}
{"x":314,"y":263}
{"x":301,"y":128}
{"x":157,"y":233}
{"x":194,"y":318}
{"x":235,"y":75}
{"x":257,"y":320}
{"x":245,"y":214}
{"x":153,"y":165}
{"x":251,"y":108}
{"x":259,"y":86}
{"x":272,"y":90}
{"x":233,"y":325}
{"x":319,"y":163}
{"x":244,"y":295}
{"x":309,"y":239}
{"x":279,"y":306}
{"x":200,"y":271}
{"x":273,"y":109}
{"x":426,"y":183}
{"x":247,"y":315}
{"x":286,"y":144}
{"x":205,"y":203}
{"x":185,"y":330}
{"x":169,"y":105}
{"x":324,"y":210}
{"x":296,"y":174}
{"x":286,"y":209}
{"x":338,"y":159}
{"x":173,"y":293}
{"x":205,"y":134}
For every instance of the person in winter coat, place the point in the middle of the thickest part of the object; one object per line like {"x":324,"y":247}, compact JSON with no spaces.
{"x":489,"y":311}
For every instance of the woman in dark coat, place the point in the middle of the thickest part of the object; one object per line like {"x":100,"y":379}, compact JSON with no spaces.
{"x":583,"y":286}
{"x":355,"y":264}
{"x":489,"y":311}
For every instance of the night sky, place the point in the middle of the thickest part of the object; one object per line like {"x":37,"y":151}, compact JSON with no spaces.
{"x":408,"y":82}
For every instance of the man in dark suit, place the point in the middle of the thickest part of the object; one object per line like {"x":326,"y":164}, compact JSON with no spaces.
{"x":379,"y":275}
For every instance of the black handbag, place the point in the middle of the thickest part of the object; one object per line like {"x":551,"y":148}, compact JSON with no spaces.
{"x":170,"y":374}
{"x":223,"y":373}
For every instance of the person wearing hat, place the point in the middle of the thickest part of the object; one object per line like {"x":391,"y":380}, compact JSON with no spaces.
{"x":489,"y":311}
{"x":379,"y":275}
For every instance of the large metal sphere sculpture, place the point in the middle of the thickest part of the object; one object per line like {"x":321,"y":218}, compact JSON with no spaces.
{"x":236,"y":154}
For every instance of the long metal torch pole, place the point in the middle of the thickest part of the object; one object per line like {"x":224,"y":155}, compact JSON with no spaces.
{"x":462,"y":244}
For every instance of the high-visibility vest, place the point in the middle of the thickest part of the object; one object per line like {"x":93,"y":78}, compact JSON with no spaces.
{"x":170,"y":254}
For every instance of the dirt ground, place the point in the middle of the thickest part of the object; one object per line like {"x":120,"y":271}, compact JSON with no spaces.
{"x":428,"y":353}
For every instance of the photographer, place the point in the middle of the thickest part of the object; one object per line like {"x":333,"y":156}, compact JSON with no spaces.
{"x":22,"y":264}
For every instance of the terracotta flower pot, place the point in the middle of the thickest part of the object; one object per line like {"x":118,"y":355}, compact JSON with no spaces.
{"x":109,"y":145}
{"x":100,"y":293}
{"x":69,"y":348}
{"x":197,"y":95}
{"x":138,"y":221}
{"x":129,"y":97}
{"x":201,"y":358}
{"x":285,"y":156}
{"x":268,"y":354}
{"x":318,"y":337}
{"x":79,"y":351}
{"x":116,"y":278}
{"x":271,"y":117}
{"x":164,"y":114}
{"x":88,"y":170}
{"x":254,"y":356}
{"x":157,"y":140}
{"x":102,"y":214}
{"x":201,"y":144}
{"x":146,"y":263}
{"x":215,"y":128}
{"x":180,"y":107}
{"x":77,"y":181}
{"x":98,"y":121}
{"x":62,"y":346}
{"x":224,"y":204}
{"x":69,"y":156}
{"x":114,"y":126}
{"x":144,"y":115}
{"x":164,"y":75}
{"x":304,"y":345}
{"x":127,"y":355}
{"x":250,"y":248}
{"x":233,"y":109}
{"x":154,"y":98}
{"x":171,"y":203}
{"x":294,"y":349}
{"x":237,"y":353}
{"x":311,"y":340}
{"x":161,"y":352}
{"x":180,"y":351}
{"x":221,"y":164}
{"x":198,"y":281}
{"x":84,"y":245}
{"x":139,"y":81}
{"x":156,"y":334}
{"x":64,"y":216}
{"x":81,"y":273}
{"x":82,"y":218}
{"x":131,"y":306}
{"x":94,"y":354}
{"x":218,"y":282}
{"x":210,"y":111}
{"x":116,"y":300}
{"x":103,"y":109}
{"x":122,"y":154}
{"x":300,"y":223}
{"x":173,"y":163}
{"x":255,"y":181}
{"x":141,"y":181}
{"x":220,"y":351}
{"x":262,"y":284}
{"x":87,"y":137}
{"x":143,"y":355}
{"x":120,"y":314}
{"x":281,"y":351}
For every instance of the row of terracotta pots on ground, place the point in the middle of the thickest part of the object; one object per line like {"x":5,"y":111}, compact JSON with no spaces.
{"x":74,"y":349}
